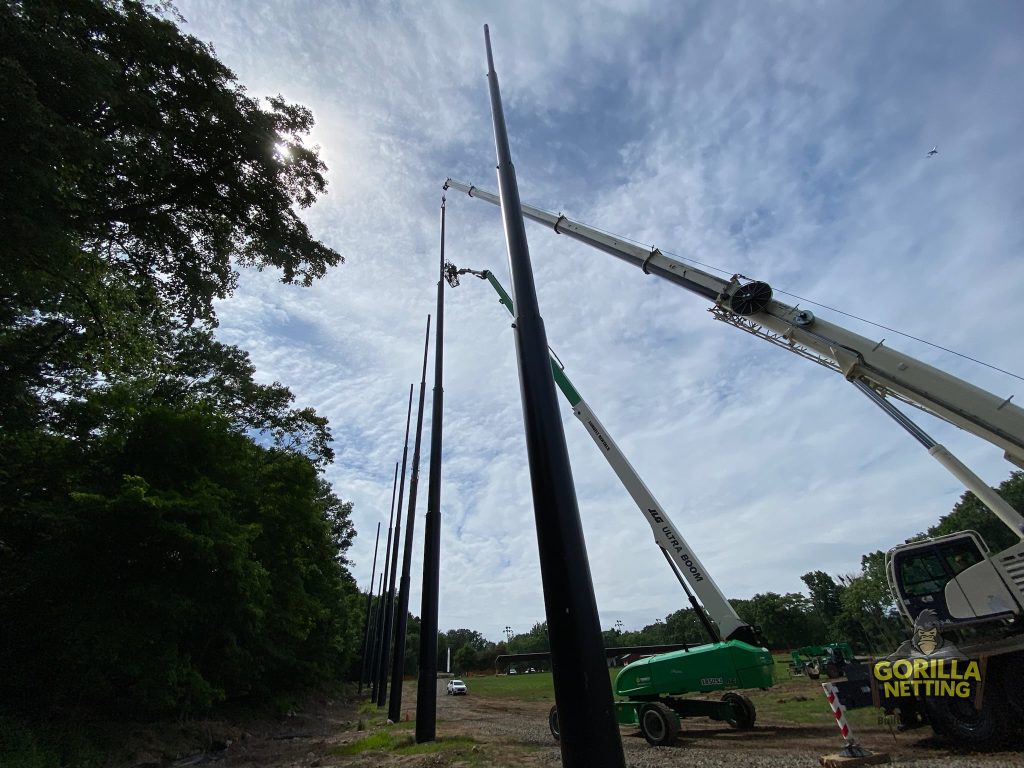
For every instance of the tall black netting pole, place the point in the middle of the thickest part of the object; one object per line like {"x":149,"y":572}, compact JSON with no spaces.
{"x":426,"y":691}
{"x":586,"y":714}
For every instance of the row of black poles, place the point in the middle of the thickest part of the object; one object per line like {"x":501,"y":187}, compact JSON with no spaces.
{"x":381,"y":651}
{"x":426,"y":691}
{"x":389,"y":599}
{"x":395,"y":703}
{"x":375,"y":650}
{"x":364,"y":667}
{"x":378,"y":631}
{"x":586,"y":715}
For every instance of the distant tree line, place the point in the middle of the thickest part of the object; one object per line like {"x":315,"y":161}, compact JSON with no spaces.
{"x":857,"y":608}
{"x":167,"y":538}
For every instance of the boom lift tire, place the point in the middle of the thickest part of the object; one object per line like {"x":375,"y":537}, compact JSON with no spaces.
{"x":746,"y":714}
{"x":659,"y":724}
{"x":553,"y":722}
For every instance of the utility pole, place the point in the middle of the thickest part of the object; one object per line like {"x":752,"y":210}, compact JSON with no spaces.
{"x":586,"y":715}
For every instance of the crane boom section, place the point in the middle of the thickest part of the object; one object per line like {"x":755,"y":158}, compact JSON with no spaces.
{"x":750,"y":307}
{"x":666,"y":534}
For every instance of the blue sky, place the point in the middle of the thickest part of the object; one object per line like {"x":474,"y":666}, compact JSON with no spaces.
{"x":781,"y":141}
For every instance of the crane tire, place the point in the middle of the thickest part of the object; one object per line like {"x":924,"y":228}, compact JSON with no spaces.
{"x":553,"y":723}
{"x":961,"y":723}
{"x":658,"y":724}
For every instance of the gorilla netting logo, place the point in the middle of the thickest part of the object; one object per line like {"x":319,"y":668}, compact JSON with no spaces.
{"x":927,"y":665}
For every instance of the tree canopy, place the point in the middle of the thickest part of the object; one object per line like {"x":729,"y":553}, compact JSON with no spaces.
{"x":167,"y":539}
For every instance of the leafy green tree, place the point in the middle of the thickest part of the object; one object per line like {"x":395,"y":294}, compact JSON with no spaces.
{"x":464,"y":659}
{"x":684,"y":626}
{"x":457,"y":638}
{"x":178,"y":564}
{"x":826,"y":604}
{"x":970,"y":514}
{"x":534,"y":641}
{"x":138,"y":176}
{"x":868,"y":618}
{"x":784,"y":619}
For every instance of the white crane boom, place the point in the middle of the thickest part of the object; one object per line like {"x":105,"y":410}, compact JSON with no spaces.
{"x":749,"y":306}
{"x":878,"y":371}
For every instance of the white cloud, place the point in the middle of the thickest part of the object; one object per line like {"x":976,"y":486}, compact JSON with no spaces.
{"x":787,"y":144}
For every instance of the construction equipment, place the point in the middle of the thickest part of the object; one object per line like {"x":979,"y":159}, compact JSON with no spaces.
{"x":812,"y":660}
{"x":950,"y":585}
{"x":649,"y":687}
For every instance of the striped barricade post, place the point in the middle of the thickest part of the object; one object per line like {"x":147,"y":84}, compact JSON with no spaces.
{"x":851,"y":749}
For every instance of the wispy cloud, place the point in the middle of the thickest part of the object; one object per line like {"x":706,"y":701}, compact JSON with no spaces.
{"x":783,"y":142}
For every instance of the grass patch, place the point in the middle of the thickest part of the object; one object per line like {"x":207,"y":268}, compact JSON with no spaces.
{"x":404,"y":744}
{"x":23,"y":745}
{"x":537,"y":686}
{"x":382,"y":741}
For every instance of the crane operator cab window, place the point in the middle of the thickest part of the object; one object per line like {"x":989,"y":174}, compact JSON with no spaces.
{"x":923,"y":572}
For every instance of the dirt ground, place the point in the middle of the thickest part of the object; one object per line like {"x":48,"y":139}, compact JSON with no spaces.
{"x":477,"y":730}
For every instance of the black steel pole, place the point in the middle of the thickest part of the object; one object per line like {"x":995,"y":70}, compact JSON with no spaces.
{"x":376,"y":641}
{"x":398,"y":665}
{"x":426,"y":690}
{"x":378,"y":670}
{"x":389,"y":600}
{"x":586,"y":715}
{"x":369,"y":600}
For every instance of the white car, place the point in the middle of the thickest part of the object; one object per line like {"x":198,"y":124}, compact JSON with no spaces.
{"x":457,"y":688}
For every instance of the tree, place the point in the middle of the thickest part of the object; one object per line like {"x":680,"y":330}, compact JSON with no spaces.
{"x":784,"y":619}
{"x":826,"y":603}
{"x":868,"y":617}
{"x":464,"y":659}
{"x":138,"y":176}
{"x":457,"y":638}
{"x":970,"y":514}
{"x":176,"y":565}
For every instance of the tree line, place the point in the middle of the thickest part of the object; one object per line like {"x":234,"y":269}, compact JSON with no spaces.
{"x":167,"y":538}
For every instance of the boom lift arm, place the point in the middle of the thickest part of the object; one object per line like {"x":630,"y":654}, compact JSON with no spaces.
{"x":686,"y":566}
{"x":878,"y":371}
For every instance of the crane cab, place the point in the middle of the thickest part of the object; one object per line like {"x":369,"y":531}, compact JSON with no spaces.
{"x":957,"y":577}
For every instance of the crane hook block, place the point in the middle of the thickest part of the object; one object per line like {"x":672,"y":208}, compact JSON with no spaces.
{"x":751,"y":298}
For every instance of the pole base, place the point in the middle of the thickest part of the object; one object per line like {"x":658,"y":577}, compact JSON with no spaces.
{"x":845,"y":758}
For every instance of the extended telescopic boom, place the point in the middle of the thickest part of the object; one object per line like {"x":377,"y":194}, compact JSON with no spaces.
{"x":876,"y":369}
{"x":749,"y":306}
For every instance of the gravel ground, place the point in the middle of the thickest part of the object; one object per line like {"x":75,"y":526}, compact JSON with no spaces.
{"x":514,"y":734}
